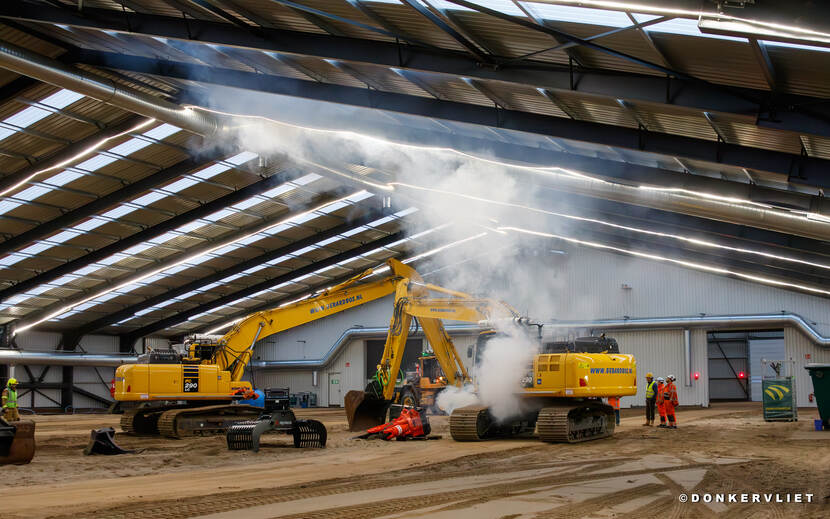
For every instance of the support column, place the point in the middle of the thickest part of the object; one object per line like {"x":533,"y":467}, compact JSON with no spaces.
{"x":66,"y":387}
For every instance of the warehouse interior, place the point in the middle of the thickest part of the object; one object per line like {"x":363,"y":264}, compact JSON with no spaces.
{"x":653,"y":171}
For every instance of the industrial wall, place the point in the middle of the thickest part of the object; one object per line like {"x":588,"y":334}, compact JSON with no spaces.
{"x":90,"y":379}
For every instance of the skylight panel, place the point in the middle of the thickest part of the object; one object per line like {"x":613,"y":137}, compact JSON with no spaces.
{"x":122,"y":210}
{"x":357,"y":230}
{"x":359,"y":196}
{"x":406,"y":212}
{"x":162,"y":132}
{"x":211,"y":171}
{"x":96,"y":162}
{"x":27,"y":117}
{"x":145,"y":311}
{"x":245,"y":204}
{"x":329,"y":241}
{"x":305,"y":217}
{"x":231,"y":278}
{"x":135,"y":249}
{"x":147,"y":199}
{"x":250,"y":239}
{"x":175,"y":270}
{"x":164,"y":237}
{"x":226,"y":249}
{"x":242,"y":158}
{"x":304,"y":250}
{"x":32,"y":193}
{"x":190,"y":226}
{"x":129,"y":147}
{"x":62,"y":99}
{"x":180,"y":184}
{"x":333,"y":207}
{"x":36,"y":248}
{"x":63,"y":178}
{"x":255,"y":269}
{"x":276,"y":229}
{"x":279,"y":190}
{"x":218,"y":215}
{"x":64,"y":236}
{"x":572,"y":14}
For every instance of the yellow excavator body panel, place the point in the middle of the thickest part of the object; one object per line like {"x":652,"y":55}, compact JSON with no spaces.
{"x":154,"y":382}
{"x":582,"y":375}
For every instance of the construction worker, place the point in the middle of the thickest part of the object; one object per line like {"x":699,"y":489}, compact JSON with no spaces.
{"x":661,"y":385}
{"x":614,"y":401}
{"x":670,"y":401}
{"x":9,"y":400}
{"x":651,"y":398}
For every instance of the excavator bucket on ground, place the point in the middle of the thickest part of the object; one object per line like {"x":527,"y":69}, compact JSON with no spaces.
{"x":102,"y":441}
{"x":17,"y":442}
{"x":364,"y":410}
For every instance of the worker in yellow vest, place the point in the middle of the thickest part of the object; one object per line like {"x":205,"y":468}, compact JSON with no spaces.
{"x":9,"y":400}
{"x":651,"y":399}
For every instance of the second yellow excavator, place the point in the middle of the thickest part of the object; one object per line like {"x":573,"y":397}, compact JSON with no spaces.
{"x":559,"y":394}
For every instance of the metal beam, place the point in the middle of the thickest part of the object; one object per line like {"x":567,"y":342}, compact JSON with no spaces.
{"x":94,"y":207}
{"x":264,"y":285}
{"x":790,"y":112}
{"x":291,"y":248}
{"x":149,"y":233}
{"x":448,"y":29}
{"x":650,"y":41}
{"x":805,"y":170}
{"x":762,"y":57}
{"x":572,"y":53}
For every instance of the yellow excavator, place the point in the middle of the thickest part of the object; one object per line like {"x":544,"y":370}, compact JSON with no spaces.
{"x":560,"y":393}
{"x":197,"y":393}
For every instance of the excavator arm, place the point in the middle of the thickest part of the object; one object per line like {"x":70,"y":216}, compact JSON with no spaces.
{"x":412,"y":301}
{"x":238,"y":344}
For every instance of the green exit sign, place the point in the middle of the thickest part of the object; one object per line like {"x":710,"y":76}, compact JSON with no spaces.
{"x":335,"y":381}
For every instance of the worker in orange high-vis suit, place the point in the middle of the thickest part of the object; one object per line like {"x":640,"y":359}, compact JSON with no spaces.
{"x":670,"y":401}
{"x":661,"y":385}
{"x":614,"y":401}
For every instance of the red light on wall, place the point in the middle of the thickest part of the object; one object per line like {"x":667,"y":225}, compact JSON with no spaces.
{"x":741,"y":375}
{"x":696,"y":375}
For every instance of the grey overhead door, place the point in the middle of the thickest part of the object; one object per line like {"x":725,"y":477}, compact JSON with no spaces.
{"x":728,"y":365}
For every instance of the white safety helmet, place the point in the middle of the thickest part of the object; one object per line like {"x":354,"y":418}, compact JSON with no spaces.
{"x":660,"y":379}
{"x":671,"y":377}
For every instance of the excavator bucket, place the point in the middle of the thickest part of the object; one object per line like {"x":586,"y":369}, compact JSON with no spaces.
{"x":364,"y":410}
{"x":102,"y":441}
{"x":17,"y":442}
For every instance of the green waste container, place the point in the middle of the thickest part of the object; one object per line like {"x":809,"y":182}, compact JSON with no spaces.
{"x":820,"y":373}
{"x":779,"y":399}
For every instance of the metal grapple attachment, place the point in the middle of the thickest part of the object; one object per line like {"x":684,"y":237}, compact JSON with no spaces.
{"x":246,"y":435}
{"x":309,"y":434}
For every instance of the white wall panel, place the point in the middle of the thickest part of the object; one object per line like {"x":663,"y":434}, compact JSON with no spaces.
{"x":799,"y":346}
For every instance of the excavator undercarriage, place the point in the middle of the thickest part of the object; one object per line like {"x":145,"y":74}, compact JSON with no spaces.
{"x":558,"y":421}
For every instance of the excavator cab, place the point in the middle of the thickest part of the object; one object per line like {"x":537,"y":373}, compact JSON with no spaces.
{"x":17,"y":442}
